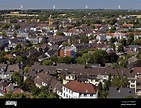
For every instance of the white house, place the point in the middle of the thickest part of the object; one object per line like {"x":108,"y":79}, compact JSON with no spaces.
{"x":101,"y":37}
{"x":132,"y":83}
{"x":75,"y":90}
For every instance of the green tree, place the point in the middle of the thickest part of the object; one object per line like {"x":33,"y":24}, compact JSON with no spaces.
{"x":60,"y":33}
{"x":119,"y":81}
{"x":42,"y":95}
{"x":18,"y":46}
{"x":47,"y":62}
{"x":84,"y":39}
{"x":86,"y":57}
{"x":19,"y":59}
{"x":100,"y":89}
{"x":65,"y":44}
{"x":8,"y":95}
{"x":6,"y":25}
{"x":27,"y":84}
{"x":113,"y":57}
{"x":17,"y":26}
{"x":79,"y":60}
{"x":52,"y":96}
{"x":137,"y":42}
{"x":4,"y":33}
{"x":113,"y":21}
{"x":130,"y":39}
{"x":3,"y":59}
{"x":16,"y":77}
{"x":68,"y":59}
{"x":129,"y":96}
{"x":35,"y":90}
{"x":120,"y":48}
{"x":123,"y":42}
{"x":139,"y":54}
{"x":101,"y":57}
{"x":20,"y":96}
{"x":26,"y":69}
{"x":54,"y":58}
{"x":12,"y":60}
{"x":112,"y":45}
{"x":112,"y":40}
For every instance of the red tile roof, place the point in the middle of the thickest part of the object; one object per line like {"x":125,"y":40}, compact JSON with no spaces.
{"x":18,"y":91}
{"x":128,"y":25}
{"x":9,"y":56}
{"x":81,"y":87}
{"x":137,"y":69}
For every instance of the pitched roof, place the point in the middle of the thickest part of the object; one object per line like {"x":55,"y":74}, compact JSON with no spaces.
{"x":18,"y":90}
{"x":43,"y":77}
{"x":9,"y":56}
{"x":3,"y":66}
{"x":10,"y":87}
{"x":128,"y":25}
{"x":55,"y":85}
{"x":81,"y":87}
{"x":3,"y":83}
{"x":115,"y":92}
{"x":13,"y":68}
{"x":132,"y":59}
{"x":137,"y":69}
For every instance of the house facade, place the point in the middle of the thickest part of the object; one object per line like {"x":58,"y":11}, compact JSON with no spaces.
{"x":68,"y":51}
{"x":75,"y":90}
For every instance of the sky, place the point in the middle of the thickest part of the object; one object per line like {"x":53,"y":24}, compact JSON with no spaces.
{"x":70,"y":4}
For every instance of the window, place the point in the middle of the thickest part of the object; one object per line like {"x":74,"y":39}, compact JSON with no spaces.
{"x":64,"y":88}
{"x":85,"y":94}
{"x":132,"y":85}
{"x":132,"y":81}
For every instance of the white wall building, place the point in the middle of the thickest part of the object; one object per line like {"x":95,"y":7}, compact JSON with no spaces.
{"x":75,"y":90}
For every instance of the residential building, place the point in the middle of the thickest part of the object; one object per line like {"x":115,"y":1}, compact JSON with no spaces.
{"x":119,"y":92}
{"x":68,"y":51}
{"x":75,"y":90}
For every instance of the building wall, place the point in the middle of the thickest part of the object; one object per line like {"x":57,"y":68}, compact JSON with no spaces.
{"x":68,"y":53}
{"x":61,"y":53}
{"x":67,"y":94}
{"x":132,"y":84}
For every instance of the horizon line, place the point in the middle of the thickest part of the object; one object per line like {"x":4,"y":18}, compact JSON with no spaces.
{"x":72,"y":9}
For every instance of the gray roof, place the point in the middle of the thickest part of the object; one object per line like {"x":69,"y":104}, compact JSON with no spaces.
{"x":132,"y":59}
{"x":43,"y":77}
{"x":13,"y":68}
{"x":115,"y":92}
{"x":3,"y":65}
{"x":55,"y":85}
{"x":10,"y":87}
{"x":81,"y":70}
